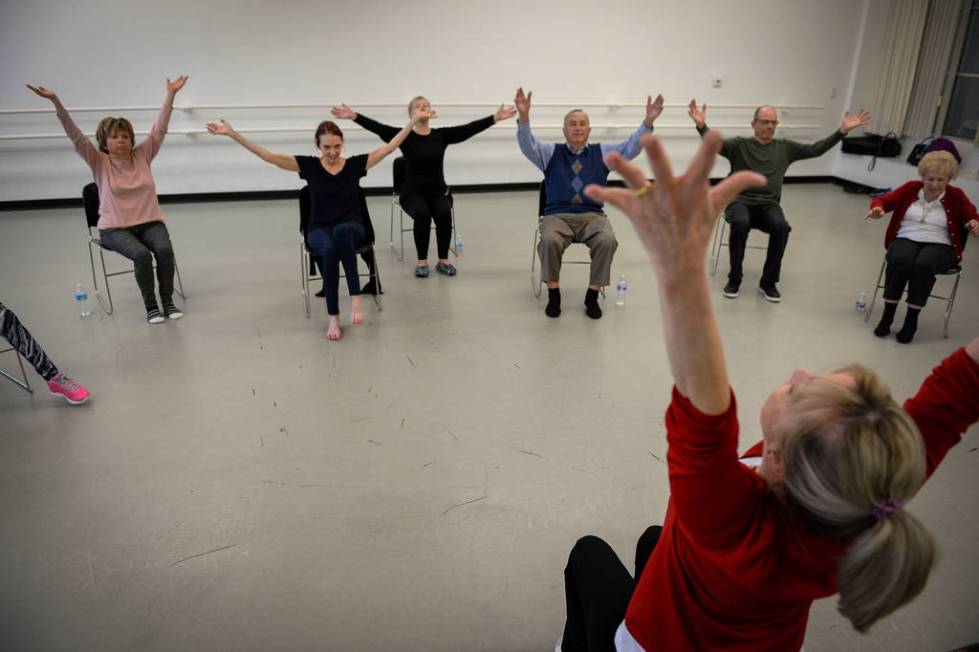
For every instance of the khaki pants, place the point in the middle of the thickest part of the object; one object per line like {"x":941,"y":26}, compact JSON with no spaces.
{"x":560,"y":230}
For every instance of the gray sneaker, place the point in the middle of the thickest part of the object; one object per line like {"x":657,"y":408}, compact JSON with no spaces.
{"x":446,"y":268}
{"x":421,"y":271}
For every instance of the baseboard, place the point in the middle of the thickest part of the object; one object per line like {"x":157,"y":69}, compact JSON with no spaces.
{"x":257,"y":195}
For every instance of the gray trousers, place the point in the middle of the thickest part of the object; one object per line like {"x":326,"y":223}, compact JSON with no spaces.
{"x":560,"y":230}
{"x":140,"y":244}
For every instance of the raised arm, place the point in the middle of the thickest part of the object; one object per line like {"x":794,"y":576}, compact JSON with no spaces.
{"x":460,"y":133}
{"x":82,"y":144}
{"x":386,"y":132}
{"x":159,"y":129}
{"x":284,"y":161}
{"x":799,"y":151}
{"x":536,"y":152}
{"x":699,"y":116}
{"x":629,"y":148}
{"x":946,"y":404}
{"x":674,"y":218}
{"x":378,"y":154}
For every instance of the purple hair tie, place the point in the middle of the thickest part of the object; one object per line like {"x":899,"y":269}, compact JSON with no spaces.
{"x":886,"y":507}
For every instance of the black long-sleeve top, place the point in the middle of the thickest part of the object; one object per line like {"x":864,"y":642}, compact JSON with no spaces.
{"x":425,"y":155}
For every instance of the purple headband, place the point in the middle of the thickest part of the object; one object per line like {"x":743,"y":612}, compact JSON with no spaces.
{"x":886,"y":507}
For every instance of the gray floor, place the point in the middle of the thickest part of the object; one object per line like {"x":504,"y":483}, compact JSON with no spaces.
{"x":239,"y":483}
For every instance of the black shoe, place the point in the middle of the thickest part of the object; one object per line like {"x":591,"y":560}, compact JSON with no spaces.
{"x":320,"y":294}
{"x":733,"y":289}
{"x":172,"y":311}
{"x":592,"y":309}
{"x":553,"y":308}
{"x":770,"y":292}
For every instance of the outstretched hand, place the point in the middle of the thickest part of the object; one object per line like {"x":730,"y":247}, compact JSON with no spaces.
{"x":176,"y":84}
{"x":504,"y":113}
{"x":850,"y":123}
{"x":223,"y":129}
{"x":675,"y":215}
{"x":653,"y":109}
{"x":43,"y":92}
{"x":874,"y":213}
{"x":522,"y":102}
{"x":343,"y":112}
{"x":697,"y":114}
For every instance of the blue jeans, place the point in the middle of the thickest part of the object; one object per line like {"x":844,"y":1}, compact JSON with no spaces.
{"x":335,"y":245}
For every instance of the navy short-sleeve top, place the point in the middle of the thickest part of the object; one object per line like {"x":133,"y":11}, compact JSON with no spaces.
{"x":334,"y":198}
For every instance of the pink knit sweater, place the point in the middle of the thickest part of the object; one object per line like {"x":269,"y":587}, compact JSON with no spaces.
{"x":127,"y":193}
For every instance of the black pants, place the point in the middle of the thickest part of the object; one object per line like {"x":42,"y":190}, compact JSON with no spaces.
{"x":20,"y":338}
{"x":914,"y":264}
{"x":140,"y":244}
{"x":423,"y":209}
{"x":767,"y":218}
{"x":597,"y":588}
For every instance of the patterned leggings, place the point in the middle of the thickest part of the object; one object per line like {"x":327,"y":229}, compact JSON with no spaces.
{"x":14,"y":332}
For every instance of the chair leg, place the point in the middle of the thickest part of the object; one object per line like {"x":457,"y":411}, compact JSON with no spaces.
{"x":950,"y":304}
{"x":108,"y":291}
{"x":180,"y":284}
{"x":877,"y":287}
{"x":715,"y":247}
{"x":304,"y":274}
{"x":401,"y":226}
{"x":391,"y":225}
{"x":536,"y":276}
{"x":23,"y":384}
{"x":376,"y":277}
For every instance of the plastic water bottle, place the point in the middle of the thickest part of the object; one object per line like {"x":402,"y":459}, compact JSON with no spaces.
{"x":620,"y":290}
{"x":81,"y":298}
{"x":458,"y":244}
{"x":862,"y":302}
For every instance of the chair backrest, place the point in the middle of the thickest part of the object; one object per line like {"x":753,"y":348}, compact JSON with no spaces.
{"x":90,"y":200}
{"x":398,"y":172}
{"x":542,"y":200}
{"x":305,"y":206}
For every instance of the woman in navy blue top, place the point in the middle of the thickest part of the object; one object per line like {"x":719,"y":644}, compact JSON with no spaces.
{"x":336,"y":226}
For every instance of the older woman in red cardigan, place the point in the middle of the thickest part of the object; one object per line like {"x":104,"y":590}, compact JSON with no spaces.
{"x":926,"y":236}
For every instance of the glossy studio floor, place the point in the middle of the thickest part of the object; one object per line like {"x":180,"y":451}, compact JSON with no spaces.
{"x":239,"y":483}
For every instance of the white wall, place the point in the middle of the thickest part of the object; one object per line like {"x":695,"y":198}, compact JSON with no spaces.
{"x":109,"y":53}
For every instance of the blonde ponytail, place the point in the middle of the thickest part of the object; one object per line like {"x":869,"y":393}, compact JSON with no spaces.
{"x":852,"y":459}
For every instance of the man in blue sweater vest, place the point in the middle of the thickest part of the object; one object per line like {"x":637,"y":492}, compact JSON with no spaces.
{"x":570,"y":216}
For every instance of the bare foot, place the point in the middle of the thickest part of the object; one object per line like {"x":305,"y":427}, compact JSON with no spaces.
{"x":356,"y":311}
{"x":333,"y":332}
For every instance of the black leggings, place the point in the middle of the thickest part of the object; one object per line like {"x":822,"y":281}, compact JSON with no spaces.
{"x":423,"y":209}
{"x":598,"y":588}
{"x":20,"y":338}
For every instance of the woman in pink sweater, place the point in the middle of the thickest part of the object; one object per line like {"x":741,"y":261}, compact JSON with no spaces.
{"x":817,"y":508}
{"x":130,"y":219}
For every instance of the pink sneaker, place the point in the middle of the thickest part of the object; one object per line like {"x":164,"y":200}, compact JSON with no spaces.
{"x":62,"y":385}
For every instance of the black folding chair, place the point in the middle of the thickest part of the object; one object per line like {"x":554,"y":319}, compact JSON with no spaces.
{"x":308,"y":262}
{"x":398,"y":179}
{"x":90,"y":200}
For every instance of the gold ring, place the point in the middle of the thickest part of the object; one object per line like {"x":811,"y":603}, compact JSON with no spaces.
{"x":639,"y":192}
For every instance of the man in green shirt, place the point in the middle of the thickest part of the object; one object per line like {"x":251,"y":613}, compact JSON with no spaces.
{"x":758,"y":208}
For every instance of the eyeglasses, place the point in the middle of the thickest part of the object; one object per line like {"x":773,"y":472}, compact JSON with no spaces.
{"x":765,"y":123}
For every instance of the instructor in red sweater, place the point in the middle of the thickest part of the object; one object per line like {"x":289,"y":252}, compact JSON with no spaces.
{"x":817,"y":508}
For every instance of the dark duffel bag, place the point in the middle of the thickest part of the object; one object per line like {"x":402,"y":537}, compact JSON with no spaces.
{"x":875,"y":145}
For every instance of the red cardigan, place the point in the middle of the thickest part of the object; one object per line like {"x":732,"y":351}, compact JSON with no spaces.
{"x":729,"y":571}
{"x":958,"y":211}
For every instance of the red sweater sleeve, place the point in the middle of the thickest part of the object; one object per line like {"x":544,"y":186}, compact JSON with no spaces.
{"x":894,"y":198}
{"x":946,"y":405}
{"x":713,"y":494}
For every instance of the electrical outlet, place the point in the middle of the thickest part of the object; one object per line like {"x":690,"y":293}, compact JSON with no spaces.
{"x":716,"y":82}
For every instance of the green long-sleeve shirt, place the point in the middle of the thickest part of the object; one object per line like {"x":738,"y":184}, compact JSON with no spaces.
{"x":771,"y":160}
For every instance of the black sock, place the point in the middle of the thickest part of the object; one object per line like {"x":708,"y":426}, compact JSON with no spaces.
{"x":884,"y":327}
{"x":553,"y":308}
{"x":906,"y":334}
{"x":592,"y":308}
